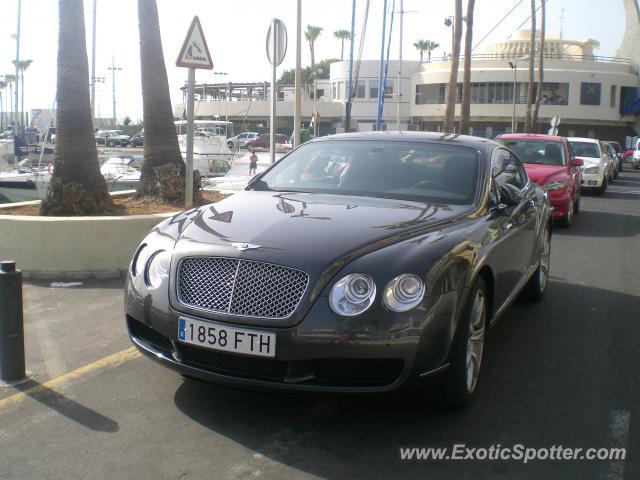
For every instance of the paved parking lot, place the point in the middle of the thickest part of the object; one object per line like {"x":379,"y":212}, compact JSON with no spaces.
{"x":560,"y":372}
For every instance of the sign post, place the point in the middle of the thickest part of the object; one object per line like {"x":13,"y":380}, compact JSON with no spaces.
{"x":555,"y":123}
{"x":193,"y":54}
{"x":276,"y":50}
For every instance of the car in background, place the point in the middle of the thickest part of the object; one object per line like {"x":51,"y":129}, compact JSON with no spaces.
{"x":262,"y":140}
{"x":635,"y":159}
{"x":426,"y":240}
{"x":596,"y":170}
{"x":137,"y":140}
{"x":550,"y":164}
{"x":239,"y":141}
{"x":112,"y":138}
{"x":617,"y":148}
{"x":613,"y":159}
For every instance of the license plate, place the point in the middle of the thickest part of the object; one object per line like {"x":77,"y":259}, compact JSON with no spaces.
{"x":228,"y":339}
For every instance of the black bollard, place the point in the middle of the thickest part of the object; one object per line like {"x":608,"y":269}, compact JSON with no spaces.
{"x":11,"y":326}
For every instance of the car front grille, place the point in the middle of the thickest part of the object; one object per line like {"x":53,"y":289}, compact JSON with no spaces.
{"x":240,"y":287}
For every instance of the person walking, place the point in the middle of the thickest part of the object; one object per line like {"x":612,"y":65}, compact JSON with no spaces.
{"x":253,"y":163}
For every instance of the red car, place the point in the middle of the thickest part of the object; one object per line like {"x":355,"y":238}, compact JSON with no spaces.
{"x":262,"y":140}
{"x":549,"y":162}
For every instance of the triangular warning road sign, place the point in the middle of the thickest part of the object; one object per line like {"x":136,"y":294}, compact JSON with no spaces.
{"x":195,"y":52}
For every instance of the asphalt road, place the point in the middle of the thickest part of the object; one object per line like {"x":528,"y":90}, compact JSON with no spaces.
{"x":560,"y":372}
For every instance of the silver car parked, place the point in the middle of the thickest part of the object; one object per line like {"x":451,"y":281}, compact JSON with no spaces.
{"x":239,"y":141}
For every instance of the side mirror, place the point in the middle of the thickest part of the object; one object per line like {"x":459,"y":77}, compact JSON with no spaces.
{"x":577,"y":162}
{"x":510,"y":195}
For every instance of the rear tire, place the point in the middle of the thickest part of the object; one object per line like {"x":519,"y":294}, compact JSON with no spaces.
{"x":567,"y":220}
{"x":461,"y":379}
{"x":537,"y":284}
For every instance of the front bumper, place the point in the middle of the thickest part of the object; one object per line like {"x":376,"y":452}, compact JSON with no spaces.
{"x":560,"y":201}
{"x":375,"y":353}
{"x":592,"y":180}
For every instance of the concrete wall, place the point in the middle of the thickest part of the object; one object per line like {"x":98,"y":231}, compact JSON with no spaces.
{"x":68,"y":246}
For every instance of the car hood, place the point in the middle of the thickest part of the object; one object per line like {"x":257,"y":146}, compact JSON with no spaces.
{"x":541,"y":174}
{"x":311,"y":232}
{"x":591,"y":161}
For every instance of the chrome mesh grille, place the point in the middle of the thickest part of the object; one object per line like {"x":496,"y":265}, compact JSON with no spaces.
{"x":240,"y":287}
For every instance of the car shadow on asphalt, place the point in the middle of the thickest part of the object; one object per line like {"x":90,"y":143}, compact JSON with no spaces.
{"x":592,"y":223}
{"x":542,"y":384}
{"x":67,"y":407}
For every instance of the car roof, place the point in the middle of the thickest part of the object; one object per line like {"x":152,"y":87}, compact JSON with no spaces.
{"x":583,"y":139}
{"x":532,"y":136}
{"x":478,"y":143}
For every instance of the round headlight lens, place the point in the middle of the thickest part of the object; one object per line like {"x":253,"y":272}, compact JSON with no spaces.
{"x":157,"y":269}
{"x":140,"y":260}
{"x":404,"y":293}
{"x":352,"y":295}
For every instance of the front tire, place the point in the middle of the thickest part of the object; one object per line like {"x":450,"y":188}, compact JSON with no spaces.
{"x":567,"y":220}
{"x":537,"y":284}
{"x":461,"y":380}
{"x":603,"y":187}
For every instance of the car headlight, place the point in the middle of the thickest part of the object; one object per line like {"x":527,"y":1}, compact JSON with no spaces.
{"x":404,"y":293}
{"x":157,"y":269}
{"x":352,"y":295}
{"x":556,"y":185}
{"x":140,"y":260}
{"x":592,"y":170}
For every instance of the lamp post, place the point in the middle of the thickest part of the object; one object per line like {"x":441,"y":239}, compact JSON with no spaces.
{"x":316,"y":127}
{"x":113,"y":69}
{"x":514,"y":67}
{"x":450,"y":22}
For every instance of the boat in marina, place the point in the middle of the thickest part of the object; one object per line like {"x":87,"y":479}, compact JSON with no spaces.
{"x":211,"y":155}
{"x":24,"y":184}
{"x":121,"y":173}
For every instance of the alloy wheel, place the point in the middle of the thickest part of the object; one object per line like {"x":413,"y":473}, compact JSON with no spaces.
{"x":545,"y":260}
{"x":475,"y":342}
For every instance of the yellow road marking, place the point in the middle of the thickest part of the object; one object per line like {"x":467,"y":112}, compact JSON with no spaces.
{"x":106,"y":362}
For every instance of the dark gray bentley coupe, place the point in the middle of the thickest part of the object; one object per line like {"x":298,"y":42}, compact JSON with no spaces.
{"x":357,"y":263}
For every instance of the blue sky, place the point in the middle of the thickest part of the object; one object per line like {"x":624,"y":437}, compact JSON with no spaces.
{"x":236,"y":33}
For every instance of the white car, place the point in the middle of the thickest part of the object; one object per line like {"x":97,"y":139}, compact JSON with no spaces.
{"x":636,"y":155}
{"x":597,"y":164}
{"x":614,"y":160}
{"x":239,"y":141}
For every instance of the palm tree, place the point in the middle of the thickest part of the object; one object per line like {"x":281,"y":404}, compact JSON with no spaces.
{"x":163,"y":170}
{"x":10,"y":79}
{"x":450,"y":111}
{"x":532,"y":62}
{"x":76,"y":186}
{"x":543,"y":32}
{"x":426,"y":46}
{"x":465,"y":113}
{"x":22,"y":65}
{"x":3,"y":86}
{"x":342,"y":35}
{"x":312,"y":35}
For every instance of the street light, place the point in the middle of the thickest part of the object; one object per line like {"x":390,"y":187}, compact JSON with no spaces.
{"x":514,"y":67}
{"x":113,"y":69}
{"x":316,"y":127}
{"x":450,"y":22}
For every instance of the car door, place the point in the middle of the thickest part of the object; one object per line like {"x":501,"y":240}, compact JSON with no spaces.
{"x":515,"y":254}
{"x":575,"y":173}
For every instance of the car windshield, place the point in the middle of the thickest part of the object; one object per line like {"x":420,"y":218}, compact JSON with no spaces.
{"x":585,"y":149}
{"x":537,"y":151}
{"x":399,"y":170}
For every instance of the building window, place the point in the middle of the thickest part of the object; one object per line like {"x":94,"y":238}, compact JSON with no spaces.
{"x":614,"y":91}
{"x":334,"y":91}
{"x":361,"y":89}
{"x":590,"y":93}
{"x":388,"y":88}
{"x":341,"y":94}
{"x":373,"y":89}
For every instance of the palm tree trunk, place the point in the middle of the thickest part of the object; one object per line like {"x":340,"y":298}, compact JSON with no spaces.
{"x":76,"y":187}
{"x":450,"y":111}
{"x":532,"y":63}
{"x":466,"y":82}
{"x":342,"y":50}
{"x":421,"y":55}
{"x":163,"y":170}
{"x":313,"y":56}
{"x":23,"y":118}
{"x":543,"y":29}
